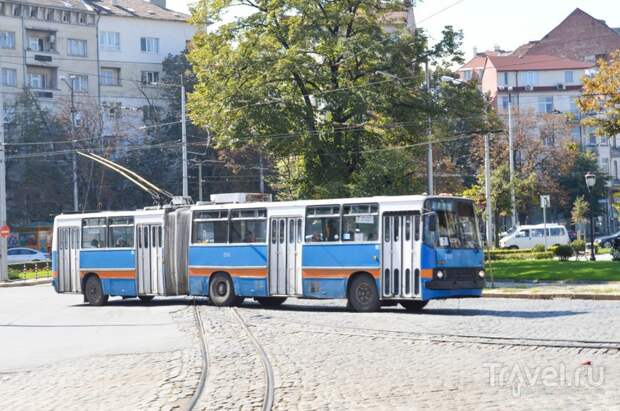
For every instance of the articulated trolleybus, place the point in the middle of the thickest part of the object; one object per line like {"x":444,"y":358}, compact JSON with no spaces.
{"x":372,"y":251}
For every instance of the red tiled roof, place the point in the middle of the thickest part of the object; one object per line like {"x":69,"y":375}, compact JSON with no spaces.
{"x":536,"y":62}
{"x":476,"y":62}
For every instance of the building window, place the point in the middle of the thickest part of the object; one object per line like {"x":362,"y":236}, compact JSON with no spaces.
{"x":8,"y":77}
{"x":503,"y":78}
{"x":573,"y":105}
{"x":36,"y":80}
{"x":504,"y":102}
{"x":110,"y":76}
{"x":150,"y":113}
{"x":545,"y":104}
{"x":34,"y":12}
{"x":82,"y":18}
{"x":248,"y":226}
{"x":467,"y":75}
{"x":79,"y":83}
{"x":360,"y":222}
{"x":529,"y":78}
{"x":323,"y":223}
{"x":569,"y":77}
{"x":210,"y":227}
{"x":66,"y":17}
{"x":149,"y":45}
{"x":17,"y":10}
{"x":50,"y":15}
{"x":150,"y":77}
{"x":110,"y":40}
{"x":7,"y":40}
{"x":76,"y":47}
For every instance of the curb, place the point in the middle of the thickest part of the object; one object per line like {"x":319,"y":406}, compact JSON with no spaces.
{"x":550,"y":296}
{"x":25,"y":283}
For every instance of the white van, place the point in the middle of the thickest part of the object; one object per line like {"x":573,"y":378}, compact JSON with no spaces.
{"x":528,"y":236}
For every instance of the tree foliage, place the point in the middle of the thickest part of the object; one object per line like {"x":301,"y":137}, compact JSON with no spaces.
{"x":315,"y":84}
{"x":601,"y":95}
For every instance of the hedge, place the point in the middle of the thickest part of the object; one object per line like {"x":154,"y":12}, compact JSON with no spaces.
{"x":544,"y":255}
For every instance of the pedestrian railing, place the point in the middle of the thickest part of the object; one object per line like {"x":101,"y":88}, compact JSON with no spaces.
{"x":30,"y":270}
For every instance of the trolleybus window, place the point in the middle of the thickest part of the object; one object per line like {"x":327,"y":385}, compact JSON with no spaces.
{"x":94,"y":233}
{"x":452,"y":225}
{"x":210,"y":227}
{"x":248,"y":226}
{"x":121,"y":231}
{"x":323,"y":223}
{"x":360,"y":222}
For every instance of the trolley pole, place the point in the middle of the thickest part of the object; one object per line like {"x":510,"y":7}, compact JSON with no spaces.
{"x":184,"y":141}
{"x":4,"y":274}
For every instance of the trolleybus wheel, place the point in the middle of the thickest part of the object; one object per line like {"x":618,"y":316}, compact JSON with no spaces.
{"x":146,"y":298}
{"x":270,"y":301}
{"x":363,"y":295}
{"x":93,"y":291}
{"x":222,"y":291}
{"x":413,"y":305}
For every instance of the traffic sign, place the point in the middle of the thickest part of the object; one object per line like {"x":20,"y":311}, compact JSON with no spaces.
{"x":5,"y":230}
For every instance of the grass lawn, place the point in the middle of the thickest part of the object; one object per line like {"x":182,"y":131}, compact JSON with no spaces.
{"x":29,"y":274}
{"x":550,"y":270}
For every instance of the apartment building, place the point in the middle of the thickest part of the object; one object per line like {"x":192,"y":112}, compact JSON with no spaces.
{"x":106,"y":54}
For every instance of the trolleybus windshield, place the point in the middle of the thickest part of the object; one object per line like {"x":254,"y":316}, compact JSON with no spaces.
{"x":451,"y":224}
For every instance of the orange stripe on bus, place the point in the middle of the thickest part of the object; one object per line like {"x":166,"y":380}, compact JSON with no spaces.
{"x":235,"y":272}
{"x":338,"y":273}
{"x":427,"y":273}
{"x":131,"y":274}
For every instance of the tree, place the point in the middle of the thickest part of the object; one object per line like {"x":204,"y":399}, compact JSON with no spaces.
{"x":601,"y":96}
{"x":579,"y":214}
{"x":321,"y":82}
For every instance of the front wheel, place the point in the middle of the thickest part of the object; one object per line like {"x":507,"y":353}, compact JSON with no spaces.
{"x":415,"y":305}
{"x":607,"y":244}
{"x":363,"y":295}
{"x":94,"y":292}
{"x":222,"y":291}
{"x":270,"y":301}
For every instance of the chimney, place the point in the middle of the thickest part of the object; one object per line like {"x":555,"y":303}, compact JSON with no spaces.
{"x":475,"y":51}
{"x":160,"y":3}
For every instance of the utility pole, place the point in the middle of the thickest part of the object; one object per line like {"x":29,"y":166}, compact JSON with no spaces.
{"x":262,"y":174}
{"x":487,"y":189}
{"x":184,"y":141}
{"x":4,"y":274}
{"x":200,"y":181}
{"x":76,"y":206}
{"x":513,"y":204}
{"x":430,"y":136}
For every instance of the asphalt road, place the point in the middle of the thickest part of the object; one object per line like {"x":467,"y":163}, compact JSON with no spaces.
{"x":58,"y":353}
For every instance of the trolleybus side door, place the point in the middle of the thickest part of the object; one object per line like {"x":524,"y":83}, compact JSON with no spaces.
{"x":400,"y":271}
{"x":285,"y":255}
{"x":149,"y":258}
{"x":69,"y":259}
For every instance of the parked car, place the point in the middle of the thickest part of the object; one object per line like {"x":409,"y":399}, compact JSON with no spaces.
{"x":528,"y":236}
{"x":21,"y":255}
{"x":607,"y":241}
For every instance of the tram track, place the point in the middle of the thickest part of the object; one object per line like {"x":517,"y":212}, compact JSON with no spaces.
{"x":606,"y":347}
{"x":269,"y":378}
{"x":205,"y":359}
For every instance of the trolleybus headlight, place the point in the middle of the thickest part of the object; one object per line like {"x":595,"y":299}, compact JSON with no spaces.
{"x":481,"y":273}
{"x":440,"y":274}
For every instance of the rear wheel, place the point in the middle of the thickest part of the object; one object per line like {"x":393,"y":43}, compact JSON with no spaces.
{"x":513,"y":247}
{"x":363,"y":295}
{"x":146,"y":298}
{"x":607,"y":244}
{"x":270,"y":301}
{"x":93,"y":292}
{"x":413,"y":305}
{"x":222,"y":291}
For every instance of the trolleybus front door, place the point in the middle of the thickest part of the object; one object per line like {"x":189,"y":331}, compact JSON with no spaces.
{"x":69,"y":260}
{"x":400,"y":267}
{"x":285,"y":256}
{"x":149,"y":258}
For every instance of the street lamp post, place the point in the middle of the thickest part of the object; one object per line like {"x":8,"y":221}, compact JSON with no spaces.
{"x":590,"y":182}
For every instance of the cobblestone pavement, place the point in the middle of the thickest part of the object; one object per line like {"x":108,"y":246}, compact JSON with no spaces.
{"x":327,"y":358}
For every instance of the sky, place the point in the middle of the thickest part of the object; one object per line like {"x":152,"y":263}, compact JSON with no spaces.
{"x":486,"y":23}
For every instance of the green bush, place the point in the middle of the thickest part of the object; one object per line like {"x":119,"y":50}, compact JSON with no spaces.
{"x":578,"y":245}
{"x":539,"y":248}
{"x":564,"y":252}
{"x":522,"y":255}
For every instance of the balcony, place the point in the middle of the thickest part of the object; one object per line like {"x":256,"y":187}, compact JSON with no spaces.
{"x":42,"y":80}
